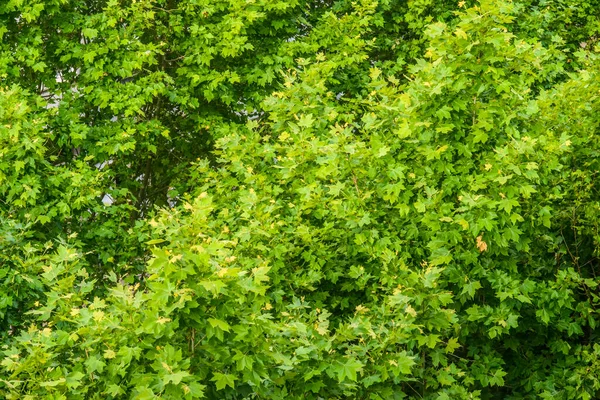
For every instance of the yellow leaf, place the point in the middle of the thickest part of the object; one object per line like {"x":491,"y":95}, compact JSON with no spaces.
{"x":109,"y":354}
{"x":481,"y":245}
{"x":361,"y":309}
{"x":463,"y":223}
{"x":98,"y":315}
{"x":460,"y":33}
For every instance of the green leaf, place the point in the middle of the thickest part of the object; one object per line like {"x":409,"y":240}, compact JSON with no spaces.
{"x":223,"y":380}
{"x":90,"y":33}
{"x":217,"y":323}
{"x":306,"y":121}
{"x":347,"y":369}
{"x":57,"y":382}
{"x":143,"y":393}
{"x":451,"y":345}
{"x":176,"y":377}
{"x":74,"y":379}
{"x":405,"y":362}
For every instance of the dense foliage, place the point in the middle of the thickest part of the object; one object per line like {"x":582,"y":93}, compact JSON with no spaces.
{"x":285,"y":199}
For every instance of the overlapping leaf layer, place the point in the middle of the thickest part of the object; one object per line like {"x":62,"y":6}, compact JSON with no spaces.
{"x":269,"y":199}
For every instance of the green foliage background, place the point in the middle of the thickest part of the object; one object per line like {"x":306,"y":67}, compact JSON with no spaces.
{"x":269,"y":199}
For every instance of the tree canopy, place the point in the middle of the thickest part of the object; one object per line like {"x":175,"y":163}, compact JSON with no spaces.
{"x":293,"y":199}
